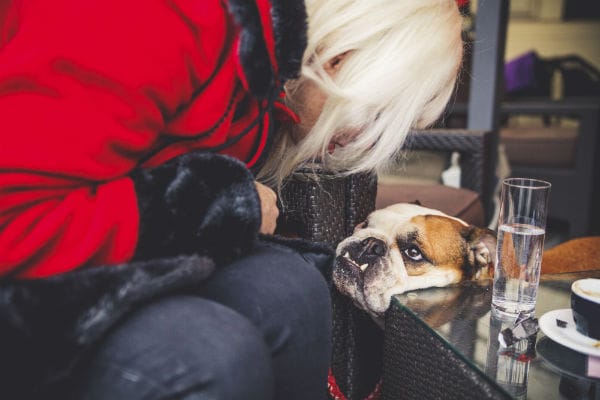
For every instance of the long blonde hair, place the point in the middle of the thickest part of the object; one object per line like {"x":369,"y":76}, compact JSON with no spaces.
{"x":400,"y":66}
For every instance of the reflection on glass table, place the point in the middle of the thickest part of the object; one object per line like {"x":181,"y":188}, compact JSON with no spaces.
{"x":461,"y":318}
{"x":509,"y":366}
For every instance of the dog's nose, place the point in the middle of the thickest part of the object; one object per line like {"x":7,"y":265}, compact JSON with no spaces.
{"x":373,"y":246}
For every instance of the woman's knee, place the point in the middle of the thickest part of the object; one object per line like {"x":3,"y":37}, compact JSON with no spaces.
{"x":183,"y":347}
{"x":272,"y":282}
{"x":288,"y":300}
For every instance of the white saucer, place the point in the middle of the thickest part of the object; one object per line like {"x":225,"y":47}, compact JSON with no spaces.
{"x":568,"y":336}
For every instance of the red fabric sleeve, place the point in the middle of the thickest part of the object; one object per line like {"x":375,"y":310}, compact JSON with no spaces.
{"x":85,"y":90}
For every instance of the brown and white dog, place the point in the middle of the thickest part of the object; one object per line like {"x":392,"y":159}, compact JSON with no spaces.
{"x":405,"y":247}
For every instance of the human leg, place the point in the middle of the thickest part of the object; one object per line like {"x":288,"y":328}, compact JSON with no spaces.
{"x":180,"y":347}
{"x":287,"y":299}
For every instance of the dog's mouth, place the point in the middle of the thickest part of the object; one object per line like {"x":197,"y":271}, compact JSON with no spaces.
{"x":355,"y":260}
{"x":350,"y":276}
{"x":354,"y":265}
{"x":347,"y":261}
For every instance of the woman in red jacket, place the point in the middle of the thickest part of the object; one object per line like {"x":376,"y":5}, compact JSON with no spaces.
{"x":129,"y":212}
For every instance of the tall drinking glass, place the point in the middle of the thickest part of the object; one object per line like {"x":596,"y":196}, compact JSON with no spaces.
{"x":521,"y":231}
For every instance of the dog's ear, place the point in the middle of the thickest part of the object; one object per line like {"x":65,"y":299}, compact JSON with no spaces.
{"x":361,"y":226}
{"x":481,"y":244}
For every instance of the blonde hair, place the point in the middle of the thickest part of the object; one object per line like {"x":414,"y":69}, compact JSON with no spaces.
{"x":398,"y":73}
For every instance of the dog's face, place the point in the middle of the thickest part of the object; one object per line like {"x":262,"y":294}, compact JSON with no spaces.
{"x":405,"y":247}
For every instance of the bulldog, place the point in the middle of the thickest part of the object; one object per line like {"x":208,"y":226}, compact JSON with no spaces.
{"x":405,"y":247}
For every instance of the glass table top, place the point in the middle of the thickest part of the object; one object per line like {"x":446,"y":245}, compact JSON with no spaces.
{"x":538,"y":368}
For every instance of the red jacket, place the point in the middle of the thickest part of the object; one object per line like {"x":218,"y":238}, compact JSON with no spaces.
{"x":91,"y":90}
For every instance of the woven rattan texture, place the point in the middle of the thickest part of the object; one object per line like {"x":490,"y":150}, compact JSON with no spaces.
{"x":473,"y":146}
{"x":418,"y":365}
{"x":321,"y":207}
{"x":476,"y":155}
{"x":325,"y":208}
{"x":357,"y":349}
{"x":314,"y":210}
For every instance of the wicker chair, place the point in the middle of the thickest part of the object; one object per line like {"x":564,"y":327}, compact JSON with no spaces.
{"x":574,"y":180}
{"x":322,"y":207}
{"x":473,"y":202}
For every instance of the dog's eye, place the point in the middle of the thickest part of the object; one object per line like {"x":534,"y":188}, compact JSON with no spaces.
{"x":414,"y":253}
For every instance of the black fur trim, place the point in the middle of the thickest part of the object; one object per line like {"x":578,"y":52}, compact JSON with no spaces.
{"x":253,"y":52}
{"x":46,"y":325}
{"x":197,"y":203}
{"x":290,"y":24}
{"x":289,"y":28}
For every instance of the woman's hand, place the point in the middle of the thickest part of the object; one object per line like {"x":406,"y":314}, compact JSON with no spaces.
{"x":268,"y":208}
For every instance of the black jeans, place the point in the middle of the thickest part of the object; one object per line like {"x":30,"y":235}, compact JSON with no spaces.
{"x":260,"y":328}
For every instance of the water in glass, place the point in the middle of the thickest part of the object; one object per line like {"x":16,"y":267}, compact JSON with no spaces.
{"x":517,"y":272}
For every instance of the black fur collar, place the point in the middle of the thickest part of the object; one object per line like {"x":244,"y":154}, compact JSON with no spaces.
{"x":289,"y":27}
{"x":46,"y":325}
